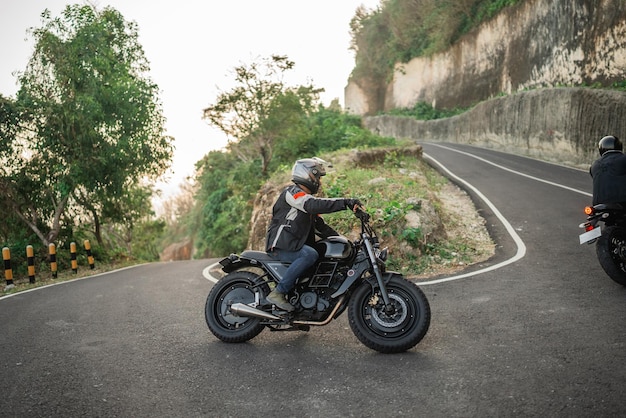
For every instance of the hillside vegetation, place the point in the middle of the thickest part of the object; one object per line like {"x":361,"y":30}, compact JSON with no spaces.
{"x":274,"y":125}
{"x":400,"y":30}
{"x":429,"y":225}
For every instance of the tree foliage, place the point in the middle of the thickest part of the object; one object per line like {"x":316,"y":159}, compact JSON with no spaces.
{"x":425,"y":111}
{"x":270,"y":125}
{"x":87,"y":125}
{"x":260,"y":109}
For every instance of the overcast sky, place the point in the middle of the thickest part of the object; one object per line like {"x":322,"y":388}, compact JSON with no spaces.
{"x":193,"y":45}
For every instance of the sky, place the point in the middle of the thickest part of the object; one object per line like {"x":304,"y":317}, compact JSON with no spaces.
{"x":193,"y":47}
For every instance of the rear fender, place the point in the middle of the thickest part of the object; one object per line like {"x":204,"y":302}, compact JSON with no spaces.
{"x":609,"y":207}
{"x":231,"y":263}
{"x":236,"y":262}
{"x":609,"y":213}
{"x":608,"y":217}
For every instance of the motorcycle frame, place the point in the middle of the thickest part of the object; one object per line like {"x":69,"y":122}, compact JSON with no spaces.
{"x":368,"y":261}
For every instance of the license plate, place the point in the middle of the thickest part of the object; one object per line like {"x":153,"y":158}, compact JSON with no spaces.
{"x":590,"y":235}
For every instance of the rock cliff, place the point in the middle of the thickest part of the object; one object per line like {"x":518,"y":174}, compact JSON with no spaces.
{"x":535,"y":44}
{"x":561,"y":125}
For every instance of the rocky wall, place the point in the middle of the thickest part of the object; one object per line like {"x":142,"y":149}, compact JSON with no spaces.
{"x":559,"y":124}
{"x":535,"y":44}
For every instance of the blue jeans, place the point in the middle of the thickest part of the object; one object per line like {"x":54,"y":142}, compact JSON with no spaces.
{"x":300,"y":262}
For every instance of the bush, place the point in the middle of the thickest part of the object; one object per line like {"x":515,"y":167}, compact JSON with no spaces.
{"x":228,"y":185}
{"x":424,"y":111}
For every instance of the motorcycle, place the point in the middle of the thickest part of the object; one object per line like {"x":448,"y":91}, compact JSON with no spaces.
{"x":386,"y":312}
{"x":610,"y":240}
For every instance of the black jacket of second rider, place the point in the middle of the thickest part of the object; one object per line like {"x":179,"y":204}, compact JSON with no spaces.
{"x":609,"y":178}
{"x":296,"y":220}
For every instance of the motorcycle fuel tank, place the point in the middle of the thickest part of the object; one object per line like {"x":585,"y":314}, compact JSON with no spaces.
{"x":334,"y":247}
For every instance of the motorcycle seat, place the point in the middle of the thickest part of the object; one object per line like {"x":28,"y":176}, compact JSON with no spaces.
{"x":257,"y":255}
{"x":611,"y":206}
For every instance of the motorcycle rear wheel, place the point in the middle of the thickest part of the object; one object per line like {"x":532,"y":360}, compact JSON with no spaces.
{"x":235,"y":287}
{"x":611,"y":252}
{"x":395,"y":332}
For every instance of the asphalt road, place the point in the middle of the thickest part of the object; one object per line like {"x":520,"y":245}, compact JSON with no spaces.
{"x":541,"y":335}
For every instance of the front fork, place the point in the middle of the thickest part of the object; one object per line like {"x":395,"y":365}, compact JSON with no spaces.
{"x":379,"y":276}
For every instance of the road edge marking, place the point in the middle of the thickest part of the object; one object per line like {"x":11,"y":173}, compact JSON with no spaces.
{"x":207,"y":273}
{"x":551,"y":183}
{"x":521,"y":247}
{"x":21,"y":292}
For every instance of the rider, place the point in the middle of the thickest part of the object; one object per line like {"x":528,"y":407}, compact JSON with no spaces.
{"x":295,"y":223}
{"x":609,"y":172}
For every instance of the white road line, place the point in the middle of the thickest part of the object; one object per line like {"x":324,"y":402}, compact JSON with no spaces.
{"x":513,"y":171}
{"x":34,"y":289}
{"x":207,"y":273}
{"x":521,"y":247}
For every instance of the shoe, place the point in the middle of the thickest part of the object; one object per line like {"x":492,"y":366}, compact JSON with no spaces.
{"x":280,"y":300}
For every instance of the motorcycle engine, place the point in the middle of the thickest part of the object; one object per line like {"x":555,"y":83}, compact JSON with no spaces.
{"x":310,"y":300}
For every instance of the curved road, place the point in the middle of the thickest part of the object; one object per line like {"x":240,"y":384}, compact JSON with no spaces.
{"x":541,"y":335}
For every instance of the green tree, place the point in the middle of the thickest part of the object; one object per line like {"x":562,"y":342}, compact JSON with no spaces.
{"x":260,"y":109}
{"x":91,"y":123}
{"x":270,"y":126}
{"x":9,"y":123}
{"x":225,"y":186}
{"x":134,"y":212}
{"x":400,"y":30}
{"x":371,"y":38}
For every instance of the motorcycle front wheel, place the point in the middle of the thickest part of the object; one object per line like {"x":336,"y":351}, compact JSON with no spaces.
{"x":236,"y":287}
{"x":611,"y":252}
{"x":393,"y":331}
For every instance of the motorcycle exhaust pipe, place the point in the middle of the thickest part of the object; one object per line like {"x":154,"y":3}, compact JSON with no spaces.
{"x":241,"y":309}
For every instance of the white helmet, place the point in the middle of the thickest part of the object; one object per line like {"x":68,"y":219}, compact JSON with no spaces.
{"x":308,"y":172}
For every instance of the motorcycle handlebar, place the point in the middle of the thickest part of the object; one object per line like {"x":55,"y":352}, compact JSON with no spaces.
{"x":361,"y":214}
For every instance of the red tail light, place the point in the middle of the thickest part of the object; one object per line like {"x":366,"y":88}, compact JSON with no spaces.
{"x":589,"y":210}
{"x":588,"y":228}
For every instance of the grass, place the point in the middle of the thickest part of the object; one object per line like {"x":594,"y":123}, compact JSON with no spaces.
{"x":390,"y":192}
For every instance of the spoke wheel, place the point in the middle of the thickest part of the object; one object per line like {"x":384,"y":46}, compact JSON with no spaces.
{"x":611,"y":252}
{"x":236,"y":287}
{"x":391,"y":329}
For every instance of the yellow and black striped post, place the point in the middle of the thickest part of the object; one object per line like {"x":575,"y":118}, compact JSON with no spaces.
{"x":89,"y":256}
{"x":30,"y":258}
{"x":52,"y":250}
{"x":8,"y":272}
{"x":73,"y":257}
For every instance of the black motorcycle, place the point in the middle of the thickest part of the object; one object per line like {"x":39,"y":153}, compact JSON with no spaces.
{"x":387,"y":312}
{"x":610,"y":240}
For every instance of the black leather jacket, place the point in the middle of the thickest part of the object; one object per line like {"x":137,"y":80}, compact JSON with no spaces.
{"x":609,"y":178}
{"x":296,"y":220}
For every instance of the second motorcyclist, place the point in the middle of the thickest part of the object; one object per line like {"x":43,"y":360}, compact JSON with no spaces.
{"x":609,"y":172}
